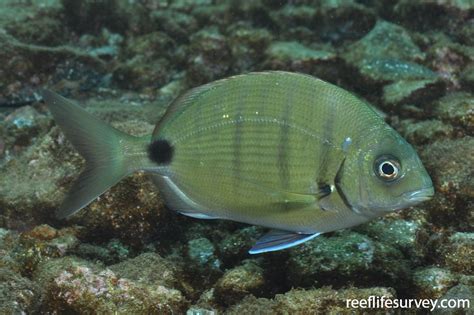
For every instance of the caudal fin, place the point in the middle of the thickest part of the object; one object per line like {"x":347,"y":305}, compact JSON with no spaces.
{"x":109,"y":153}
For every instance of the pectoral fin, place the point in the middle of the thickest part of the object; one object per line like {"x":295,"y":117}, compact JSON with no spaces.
{"x":277,"y":240}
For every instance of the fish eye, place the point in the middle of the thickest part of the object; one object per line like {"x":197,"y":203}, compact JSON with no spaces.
{"x":387,"y":168}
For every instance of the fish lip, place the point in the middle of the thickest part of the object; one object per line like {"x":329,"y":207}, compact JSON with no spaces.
{"x":419,"y":195}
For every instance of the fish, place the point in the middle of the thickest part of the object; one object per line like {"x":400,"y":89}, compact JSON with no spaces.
{"x":281,"y":150}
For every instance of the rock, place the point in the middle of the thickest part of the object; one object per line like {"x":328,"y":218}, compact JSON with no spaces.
{"x":91,"y":16}
{"x":315,"y":301}
{"x":409,"y":236}
{"x":176,"y":24}
{"x":433,"y":282}
{"x":384,"y":41}
{"x":426,"y":131}
{"x":131,"y":211}
{"x":112,"y":253}
{"x":147,"y":60}
{"x":457,"y":109}
{"x":209,"y":57}
{"x":416,"y":91}
{"x":240,"y":281}
{"x":388,"y":54}
{"x":467,"y":77}
{"x":458,"y":251}
{"x":342,"y":22}
{"x":41,"y":244}
{"x":289,"y":16}
{"x":344,"y":258}
{"x":293,"y":56}
{"x":8,"y":241}
{"x":449,"y":164}
{"x":391,"y":70}
{"x":18,"y":295}
{"x":235,"y":246}
{"x":252,"y":305}
{"x":12,"y":47}
{"x":218,"y":14}
{"x":325,"y":300}
{"x":463,"y":295}
{"x":201,"y":253}
{"x":247,"y":45}
{"x":432,"y":14}
{"x":88,"y":289}
{"x":449,"y":58}
{"x":22,"y":127}
{"x":207,"y":303}
{"x":35,"y":22}
{"x":153,"y":270}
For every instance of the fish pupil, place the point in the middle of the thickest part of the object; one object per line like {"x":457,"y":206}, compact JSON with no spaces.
{"x":160,"y":151}
{"x":388,"y":169}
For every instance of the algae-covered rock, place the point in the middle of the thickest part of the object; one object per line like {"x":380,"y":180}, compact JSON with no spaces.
{"x":315,"y":301}
{"x":147,"y":61}
{"x":248,"y":45}
{"x":415,"y":91}
{"x":209,"y":57}
{"x":252,"y":305}
{"x":112,"y":252}
{"x":240,"y":281}
{"x":234,"y":247}
{"x":463,"y":295}
{"x":341,"y":22}
{"x":457,"y":109}
{"x":346,"y":257}
{"x":433,"y":282}
{"x":433,"y":14}
{"x":409,"y":236}
{"x":152,"y":269}
{"x":202,"y":255}
{"x":426,"y":131}
{"x":467,"y":77}
{"x":458,"y":251}
{"x":292,"y":16}
{"x":43,"y":166}
{"x":176,"y":24}
{"x":385,"y":41}
{"x":383,"y":69}
{"x":449,"y":164}
{"x":43,"y":243}
{"x":91,"y":16}
{"x":26,"y":60}
{"x":18,"y":295}
{"x":448,"y":58}
{"x":21,"y":129}
{"x":293,"y":56}
{"x":74,"y":285}
{"x":389,"y":54}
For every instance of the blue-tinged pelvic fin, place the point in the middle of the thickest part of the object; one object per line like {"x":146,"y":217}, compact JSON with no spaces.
{"x":198,"y":215}
{"x":277,"y":240}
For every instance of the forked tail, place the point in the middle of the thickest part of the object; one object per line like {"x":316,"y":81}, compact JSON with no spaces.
{"x":109,"y":153}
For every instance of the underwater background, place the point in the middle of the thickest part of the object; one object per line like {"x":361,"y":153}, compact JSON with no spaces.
{"x":125,"y":60}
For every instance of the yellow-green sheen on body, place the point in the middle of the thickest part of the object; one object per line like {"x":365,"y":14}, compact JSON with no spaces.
{"x":257,"y":147}
{"x":283,"y":150}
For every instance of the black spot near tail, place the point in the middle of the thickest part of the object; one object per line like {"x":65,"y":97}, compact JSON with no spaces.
{"x":160,"y":151}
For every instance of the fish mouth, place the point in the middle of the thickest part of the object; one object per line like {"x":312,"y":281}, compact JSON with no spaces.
{"x":418,"y":196}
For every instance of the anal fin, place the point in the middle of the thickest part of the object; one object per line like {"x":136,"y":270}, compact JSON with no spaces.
{"x":277,"y":240}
